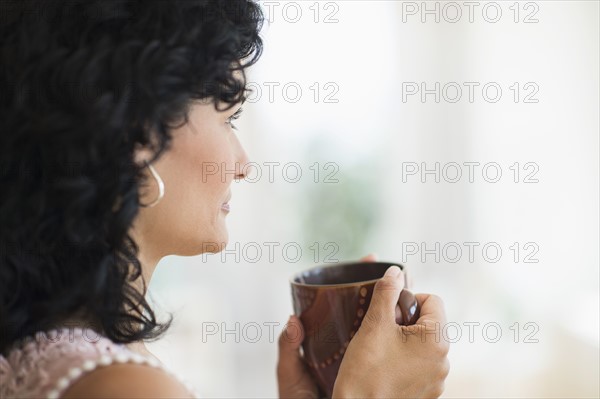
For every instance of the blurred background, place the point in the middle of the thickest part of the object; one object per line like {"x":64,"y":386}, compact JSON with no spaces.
{"x":458,"y":139}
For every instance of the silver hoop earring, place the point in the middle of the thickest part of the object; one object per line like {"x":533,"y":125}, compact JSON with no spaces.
{"x":159,"y":182}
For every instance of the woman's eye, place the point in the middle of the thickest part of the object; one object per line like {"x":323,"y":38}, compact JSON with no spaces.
{"x":234,"y":117}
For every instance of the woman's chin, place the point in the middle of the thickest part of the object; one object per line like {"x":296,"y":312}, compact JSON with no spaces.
{"x":215,"y":244}
{"x":213,"y":247}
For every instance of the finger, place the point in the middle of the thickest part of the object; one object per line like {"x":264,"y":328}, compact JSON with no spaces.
{"x":386,"y":292}
{"x":431,"y":309}
{"x":408,"y":280}
{"x":291,"y":370}
{"x":290,"y":362}
{"x":292,"y":335}
{"x":369,"y":258}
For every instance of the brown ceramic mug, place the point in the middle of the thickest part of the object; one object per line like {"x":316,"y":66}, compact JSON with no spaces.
{"x":331,"y":302}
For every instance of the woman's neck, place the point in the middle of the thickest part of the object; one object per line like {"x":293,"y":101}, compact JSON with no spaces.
{"x":82,"y":319}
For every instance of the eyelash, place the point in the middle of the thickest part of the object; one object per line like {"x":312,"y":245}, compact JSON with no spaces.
{"x":234,"y":117}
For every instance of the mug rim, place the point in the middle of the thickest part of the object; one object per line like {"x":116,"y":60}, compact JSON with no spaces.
{"x":341,"y":285}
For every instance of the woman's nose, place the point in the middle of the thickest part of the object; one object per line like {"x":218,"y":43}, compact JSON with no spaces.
{"x":242,"y":160}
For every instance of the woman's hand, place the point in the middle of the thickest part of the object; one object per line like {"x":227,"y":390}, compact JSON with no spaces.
{"x":293,"y":376}
{"x":386,"y":360}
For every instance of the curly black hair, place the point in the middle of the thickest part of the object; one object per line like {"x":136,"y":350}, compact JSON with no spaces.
{"x":82,"y":85}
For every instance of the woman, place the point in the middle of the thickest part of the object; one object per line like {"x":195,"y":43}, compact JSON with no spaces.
{"x":110,"y":113}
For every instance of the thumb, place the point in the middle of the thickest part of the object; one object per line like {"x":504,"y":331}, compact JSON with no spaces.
{"x":290,"y":364}
{"x":386,"y":292}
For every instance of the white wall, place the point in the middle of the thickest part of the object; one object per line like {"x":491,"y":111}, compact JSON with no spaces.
{"x":371,"y":134}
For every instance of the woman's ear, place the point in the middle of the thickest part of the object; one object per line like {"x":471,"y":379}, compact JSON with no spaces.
{"x":141,"y":154}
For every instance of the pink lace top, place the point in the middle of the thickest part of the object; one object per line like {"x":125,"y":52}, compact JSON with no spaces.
{"x":46,"y":364}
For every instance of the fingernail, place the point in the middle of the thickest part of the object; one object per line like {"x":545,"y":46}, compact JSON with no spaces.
{"x":393,"y":271}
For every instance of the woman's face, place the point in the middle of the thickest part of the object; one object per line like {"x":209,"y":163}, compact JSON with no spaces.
{"x":198,"y":169}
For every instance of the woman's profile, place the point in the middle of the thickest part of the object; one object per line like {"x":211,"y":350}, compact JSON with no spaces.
{"x":110,"y":111}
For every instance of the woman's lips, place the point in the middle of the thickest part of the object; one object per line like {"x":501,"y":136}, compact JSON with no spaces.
{"x":225,"y":206}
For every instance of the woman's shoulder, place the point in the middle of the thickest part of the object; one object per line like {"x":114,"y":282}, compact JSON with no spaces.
{"x":127,"y":380}
{"x":76,"y":362}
